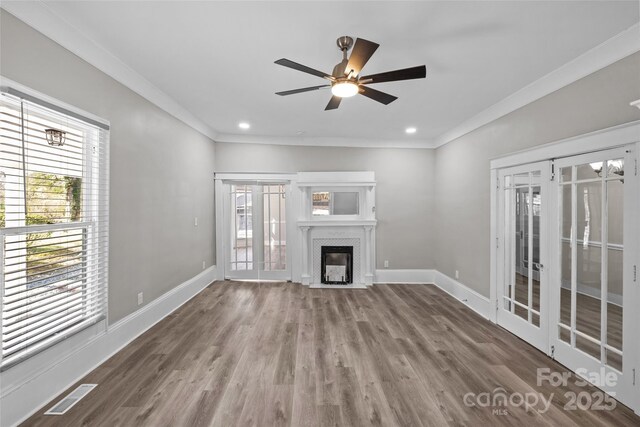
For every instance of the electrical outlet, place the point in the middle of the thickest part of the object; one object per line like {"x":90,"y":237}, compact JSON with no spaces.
{"x":195,"y":222}
{"x":140,"y":298}
{"x":457,"y":274}
{"x":386,"y":263}
{"x":204,"y":264}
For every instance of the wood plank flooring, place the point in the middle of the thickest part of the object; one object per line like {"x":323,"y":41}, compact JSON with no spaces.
{"x":280,"y":354}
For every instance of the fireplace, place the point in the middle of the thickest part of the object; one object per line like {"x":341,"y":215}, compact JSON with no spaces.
{"x":337,"y":244}
{"x":336,"y":265}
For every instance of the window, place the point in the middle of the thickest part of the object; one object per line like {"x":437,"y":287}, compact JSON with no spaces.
{"x":53,"y":225}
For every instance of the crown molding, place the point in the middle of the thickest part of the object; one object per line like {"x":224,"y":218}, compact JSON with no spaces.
{"x":39,"y":16}
{"x":323,"y":141}
{"x":616,"y":48}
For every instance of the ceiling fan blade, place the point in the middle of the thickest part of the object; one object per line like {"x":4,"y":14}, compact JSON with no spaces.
{"x":287,"y":63}
{"x":362,"y":51}
{"x":304,"y":89}
{"x":376,"y":95}
{"x":334,"y":103}
{"x":419,"y":72}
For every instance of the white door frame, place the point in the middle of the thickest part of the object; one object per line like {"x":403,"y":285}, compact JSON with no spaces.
{"x":222,"y":231}
{"x":536,"y":335}
{"x":563,"y":352}
{"x":614,"y":137}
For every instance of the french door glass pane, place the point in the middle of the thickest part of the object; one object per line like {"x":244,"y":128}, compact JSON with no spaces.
{"x":522,"y":210}
{"x":242,"y":228}
{"x":521,"y":249}
{"x":595,"y":320}
{"x":589,"y":257}
{"x":588,"y":171}
{"x":588,"y":291}
{"x":588,"y":346}
{"x":536,"y":205}
{"x":275,"y":254}
{"x":615,"y":251}
{"x":565,"y":249}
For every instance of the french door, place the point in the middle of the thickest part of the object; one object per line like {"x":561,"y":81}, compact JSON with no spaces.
{"x":594,"y":324}
{"x":255,"y":218}
{"x":522,"y":280}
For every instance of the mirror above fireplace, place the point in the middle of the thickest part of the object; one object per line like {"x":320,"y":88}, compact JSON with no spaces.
{"x":327,"y":203}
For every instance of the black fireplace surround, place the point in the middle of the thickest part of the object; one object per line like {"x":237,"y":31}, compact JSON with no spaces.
{"x":340,"y":257}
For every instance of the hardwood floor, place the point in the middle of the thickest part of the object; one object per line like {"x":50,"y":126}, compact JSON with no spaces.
{"x":274,"y":354}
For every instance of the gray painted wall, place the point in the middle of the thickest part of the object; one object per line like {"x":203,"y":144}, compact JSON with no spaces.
{"x":432,"y":205}
{"x":161,"y":169}
{"x":462,"y":209}
{"x":404,"y":191}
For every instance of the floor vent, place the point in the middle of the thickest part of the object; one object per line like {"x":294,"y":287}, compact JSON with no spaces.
{"x":74,"y":397}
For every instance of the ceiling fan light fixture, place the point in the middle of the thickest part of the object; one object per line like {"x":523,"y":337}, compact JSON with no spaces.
{"x":346,"y":79}
{"x":344,"y":89}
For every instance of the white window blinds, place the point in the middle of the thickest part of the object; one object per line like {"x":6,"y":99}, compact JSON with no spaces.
{"x":53,"y":226}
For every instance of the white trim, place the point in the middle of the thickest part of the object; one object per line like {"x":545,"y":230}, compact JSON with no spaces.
{"x":635,"y":103}
{"x":6,"y":83}
{"x":493,"y":247}
{"x":324,"y":141}
{"x":337,"y":223}
{"x":504,"y":272}
{"x":615,"y":136}
{"x":255,"y":176}
{"x":616,"y":48}
{"x":405,"y":276}
{"x":41,"y":17}
{"x":347,"y":178}
{"x":61,"y":368}
{"x":475,"y":301}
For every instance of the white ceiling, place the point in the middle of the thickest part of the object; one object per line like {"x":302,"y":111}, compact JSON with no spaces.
{"x":216,"y":58}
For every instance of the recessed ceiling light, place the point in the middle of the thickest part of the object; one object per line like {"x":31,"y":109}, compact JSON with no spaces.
{"x":244,"y":125}
{"x":410,"y":130}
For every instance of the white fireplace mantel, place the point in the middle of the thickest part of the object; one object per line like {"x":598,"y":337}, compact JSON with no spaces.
{"x":337,"y":230}
{"x":338,"y":223}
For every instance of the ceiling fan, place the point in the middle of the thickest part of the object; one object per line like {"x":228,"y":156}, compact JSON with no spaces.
{"x":346,"y":81}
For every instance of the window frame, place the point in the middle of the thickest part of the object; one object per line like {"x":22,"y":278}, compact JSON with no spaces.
{"x":93,"y":223}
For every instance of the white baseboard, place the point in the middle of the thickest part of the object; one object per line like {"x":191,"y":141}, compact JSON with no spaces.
{"x":27,"y":389}
{"x":477,"y":302}
{"x":408,"y":276}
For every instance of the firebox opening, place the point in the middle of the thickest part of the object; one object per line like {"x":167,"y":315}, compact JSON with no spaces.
{"x":337,"y":265}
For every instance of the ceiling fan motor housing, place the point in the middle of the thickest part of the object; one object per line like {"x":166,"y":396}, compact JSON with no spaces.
{"x":344,"y":43}
{"x":339,"y":69}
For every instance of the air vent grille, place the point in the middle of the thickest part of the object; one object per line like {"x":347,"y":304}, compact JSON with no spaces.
{"x":72,"y":398}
